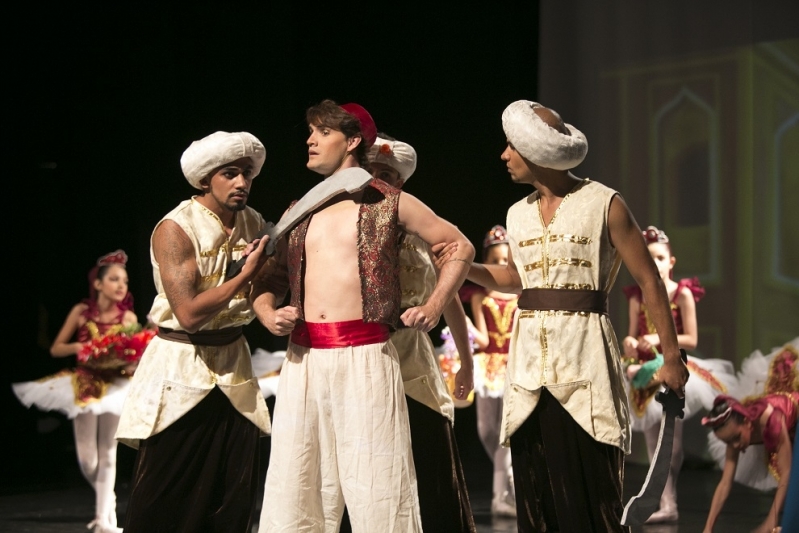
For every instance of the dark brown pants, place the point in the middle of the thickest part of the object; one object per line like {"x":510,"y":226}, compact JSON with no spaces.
{"x":443,"y":498}
{"x":565,"y":480}
{"x":199,"y":475}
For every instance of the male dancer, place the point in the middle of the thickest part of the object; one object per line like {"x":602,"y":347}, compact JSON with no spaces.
{"x":443,"y":497}
{"x":340,"y":433}
{"x":565,"y":408}
{"x":194,"y":409}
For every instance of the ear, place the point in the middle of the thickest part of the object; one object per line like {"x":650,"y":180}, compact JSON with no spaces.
{"x":205,"y":183}
{"x":672,"y":261}
{"x":353,"y":142}
{"x":98,"y":284}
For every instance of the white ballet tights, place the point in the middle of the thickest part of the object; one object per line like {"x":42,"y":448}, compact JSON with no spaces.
{"x":668,"y":501}
{"x":489,"y":419}
{"x":97,"y":457}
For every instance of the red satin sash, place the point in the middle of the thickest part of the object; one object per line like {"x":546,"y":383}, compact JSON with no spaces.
{"x":339,"y":334}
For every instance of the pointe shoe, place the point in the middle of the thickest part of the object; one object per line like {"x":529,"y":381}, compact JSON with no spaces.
{"x":663,"y":515}
{"x":502,"y":507}
{"x":98,"y":526}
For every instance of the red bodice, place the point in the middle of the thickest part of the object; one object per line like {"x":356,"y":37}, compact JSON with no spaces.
{"x":498,"y":315}
{"x":645,"y":324}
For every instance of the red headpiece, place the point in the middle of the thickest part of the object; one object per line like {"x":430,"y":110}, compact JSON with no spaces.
{"x":654,"y":235}
{"x":496,"y":235}
{"x":368,"y":128}
{"x":733,"y":405}
{"x":118,"y":257}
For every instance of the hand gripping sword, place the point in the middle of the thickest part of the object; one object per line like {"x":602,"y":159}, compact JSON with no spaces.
{"x":647,"y":501}
{"x":349,"y":180}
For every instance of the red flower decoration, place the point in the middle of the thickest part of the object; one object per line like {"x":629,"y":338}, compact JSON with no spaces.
{"x":385,"y":149}
{"x":116,"y":350}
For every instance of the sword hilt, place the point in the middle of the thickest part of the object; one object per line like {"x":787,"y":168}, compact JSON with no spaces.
{"x":235,"y":267}
{"x":673,"y":404}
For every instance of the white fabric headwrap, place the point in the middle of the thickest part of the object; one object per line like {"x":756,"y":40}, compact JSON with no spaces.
{"x":539,"y":143}
{"x":398,"y":155}
{"x":202,"y":157}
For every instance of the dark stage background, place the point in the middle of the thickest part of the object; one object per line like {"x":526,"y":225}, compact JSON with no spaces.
{"x":106,"y":98}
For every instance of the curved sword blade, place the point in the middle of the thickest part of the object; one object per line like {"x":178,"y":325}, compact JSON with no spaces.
{"x":641,"y":506}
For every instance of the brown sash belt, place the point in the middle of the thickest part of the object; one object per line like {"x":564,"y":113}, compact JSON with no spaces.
{"x":214,"y":337}
{"x":575,"y":300}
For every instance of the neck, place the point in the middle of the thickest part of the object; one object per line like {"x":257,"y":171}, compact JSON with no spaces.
{"x":227,"y":216}
{"x":554,"y":184}
{"x":105,"y":304}
{"x":349,"y":161}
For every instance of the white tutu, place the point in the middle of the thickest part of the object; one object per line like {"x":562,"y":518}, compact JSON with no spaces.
{"x":753,"y":468}
{"x":708,"y":378}
{"x":57,"y":393}
{"x":264,"y":366}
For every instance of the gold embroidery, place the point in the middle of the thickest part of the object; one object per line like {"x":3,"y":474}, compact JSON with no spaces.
{"x":408,"y":246}
{"x":531,"y":242}
{"x":238,"y":247}
{"x":503,"y":321}
{"x":571,"y":286}
{"x":409,"y":268}
{"x":537,"y":313}
{"x":212,"y":253}
{"x":212,"y":277}
{"x":94,"y":331}
{"x":570,"y":261}
{"x":408,"y":292}
{"x":544,"y":349}
{"x":566,"y":237}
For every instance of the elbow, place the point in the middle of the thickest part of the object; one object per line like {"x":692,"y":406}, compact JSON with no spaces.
{"x":189,"y":324}
{"x":468,"y":249}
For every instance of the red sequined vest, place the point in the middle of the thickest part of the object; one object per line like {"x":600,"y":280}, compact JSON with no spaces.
{"x":379,"y":238}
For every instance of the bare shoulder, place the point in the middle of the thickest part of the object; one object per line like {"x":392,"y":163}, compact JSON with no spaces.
{"x":171,"y":245}
{"x":622,"y":226}
{"x":129,"y":318}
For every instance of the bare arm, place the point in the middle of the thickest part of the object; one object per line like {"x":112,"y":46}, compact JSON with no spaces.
{"x":269,"y":289}
{"x":630,"y":342}
{"x":180,"y":276}
{"x":501,"y":278}
{"x":61,"y":346}
{"x":784,"y":456}
{"x":420,"y":220}
{"x":689,"y":338}
{"x":625,"y":235}
{"x":722,"y":489}
{"x":456,"y":320}
{"x":481,"y":337}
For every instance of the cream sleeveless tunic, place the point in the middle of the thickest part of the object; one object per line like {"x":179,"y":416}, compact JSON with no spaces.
{"x":421,"y":373}
{"x":574,"y":355}
{"x":174,"y":377}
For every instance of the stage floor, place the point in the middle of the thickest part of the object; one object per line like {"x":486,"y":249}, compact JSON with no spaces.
{"x":67,"y":505}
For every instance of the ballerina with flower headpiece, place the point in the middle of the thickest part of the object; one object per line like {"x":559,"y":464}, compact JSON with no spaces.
{"x":709,"y":377}
{"x":753,"y":438}
{"x":493,"y":314}
{"x":108,"y":341}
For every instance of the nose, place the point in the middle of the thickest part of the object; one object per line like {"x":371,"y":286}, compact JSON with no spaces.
{"x":311,"y":141}
{"x":505,"y":156}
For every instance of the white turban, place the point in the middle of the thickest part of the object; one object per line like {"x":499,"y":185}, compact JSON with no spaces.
{"x":538,"y":142}
{"x":398,"y":155}
{"x":202,"y":157}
